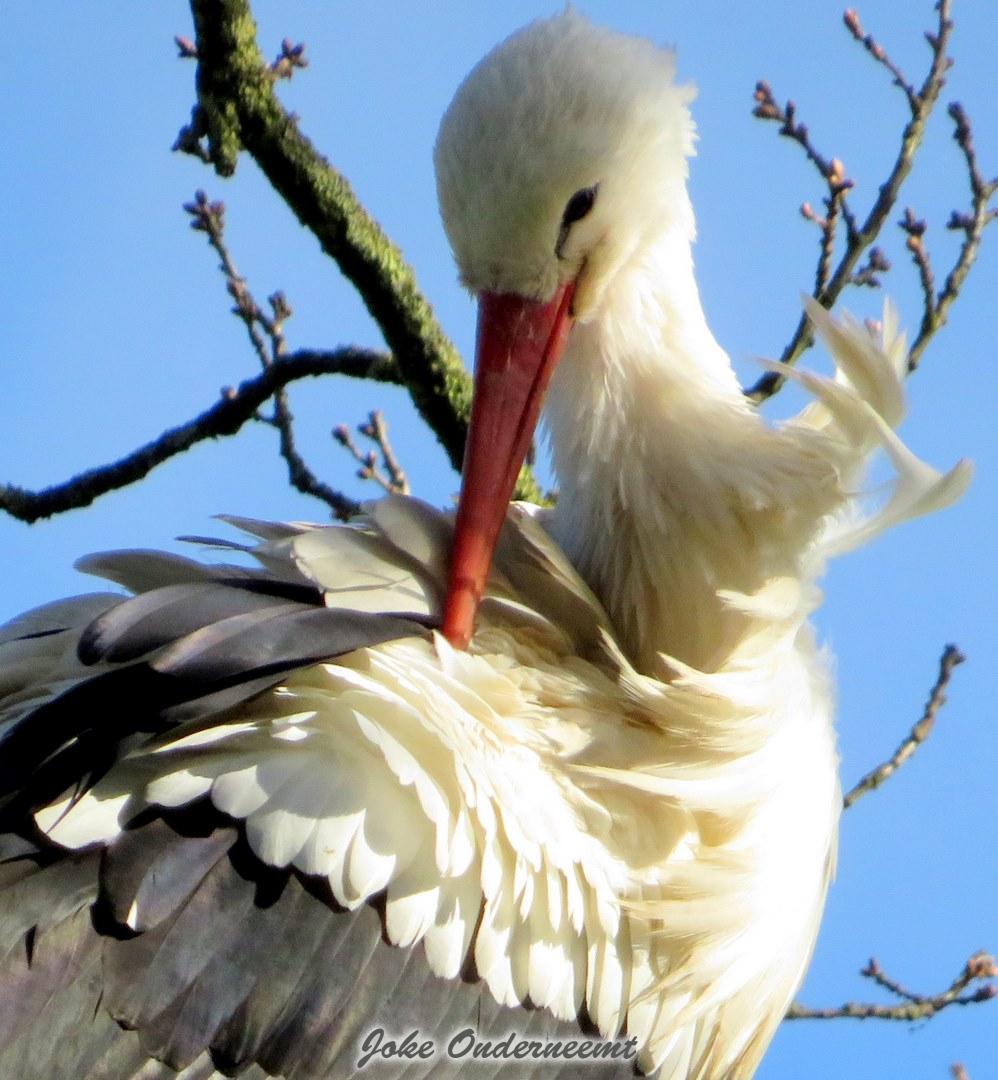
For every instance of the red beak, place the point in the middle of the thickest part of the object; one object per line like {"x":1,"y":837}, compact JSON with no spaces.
{"x":519,"y":343}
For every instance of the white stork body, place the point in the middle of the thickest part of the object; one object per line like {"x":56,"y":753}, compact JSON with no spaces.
{"x":621,"y":799}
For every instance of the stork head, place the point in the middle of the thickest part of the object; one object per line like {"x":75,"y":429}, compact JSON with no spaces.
{"x":561,"y":153}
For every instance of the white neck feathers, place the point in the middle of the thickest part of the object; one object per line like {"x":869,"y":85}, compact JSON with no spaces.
{"x":674,"y":493}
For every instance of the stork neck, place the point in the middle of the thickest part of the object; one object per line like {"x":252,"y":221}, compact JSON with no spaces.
{"x":651,"y":441}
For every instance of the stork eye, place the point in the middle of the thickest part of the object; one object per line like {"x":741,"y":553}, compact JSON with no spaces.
{"x":578,"y":206}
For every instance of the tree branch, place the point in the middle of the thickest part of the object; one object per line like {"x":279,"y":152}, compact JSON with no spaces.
{"x":919,"y":733}
{"x":237,"y":108}
{"x":393,"y":479}
{"x":266,"y":334}
{"x":376,"y":429}
{"x":972,"y":224}
{"x":299,"y":474}
{"x":978,"y":968}
{"x":225,"y":417}
{"x":859,"y":237}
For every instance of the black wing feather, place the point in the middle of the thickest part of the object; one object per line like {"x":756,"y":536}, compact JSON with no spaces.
{"x":153,"y":619}
{"x":276,"y":639}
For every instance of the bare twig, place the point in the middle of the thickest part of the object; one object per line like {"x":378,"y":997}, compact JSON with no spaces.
{"x":972,"y":224}
{"x":290,"y":59}
{"x":876,"y":263}
{"x":835,"y":205}
{"x":376,"y":429}
{"x":879,"y":53}
{"x":300,"y":475}
{"x":767,"y":108}
{"x":915,"y":229}
{"x":832,"y":171}
{"x":874,"y":971}
{"x":209,"y":217}
{"x":225,"y":417}
{"x":859,"y":236}
{"x":186,"y":49}
{"x":266,"y":334}
{"x":393,"y":480}
{"x":978,"y":968}
{"x":919,"y":733}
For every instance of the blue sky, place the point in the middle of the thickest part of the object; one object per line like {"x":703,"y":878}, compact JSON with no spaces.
{"x":116,"y":326}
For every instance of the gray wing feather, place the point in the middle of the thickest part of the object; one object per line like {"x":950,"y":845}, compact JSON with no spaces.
{"x":242,"y":967}
{"x":60,"y":615}
{"x":266,"y":530}
{"x":140,"y":570}
{"x":538,"y":569}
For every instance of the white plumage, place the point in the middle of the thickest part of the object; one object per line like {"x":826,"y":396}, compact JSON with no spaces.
{"x":623,"y":794}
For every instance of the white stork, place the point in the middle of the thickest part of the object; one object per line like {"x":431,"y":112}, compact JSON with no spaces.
{"x":252,"y":816}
